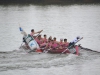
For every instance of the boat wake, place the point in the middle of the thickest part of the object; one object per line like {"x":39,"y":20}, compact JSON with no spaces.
{"x":20,"y":59}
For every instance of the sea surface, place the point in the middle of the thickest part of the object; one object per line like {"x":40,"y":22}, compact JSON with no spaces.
{"x":60,"y":21}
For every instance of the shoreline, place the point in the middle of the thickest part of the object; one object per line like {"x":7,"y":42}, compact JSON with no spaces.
{"x":48,"y":2}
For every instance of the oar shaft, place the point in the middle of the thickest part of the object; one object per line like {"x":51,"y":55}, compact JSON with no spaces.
{"x":38,"y":34}
{"x":87,"y":49}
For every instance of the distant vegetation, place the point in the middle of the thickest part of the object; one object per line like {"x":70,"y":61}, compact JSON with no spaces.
{"x":48,"y":1}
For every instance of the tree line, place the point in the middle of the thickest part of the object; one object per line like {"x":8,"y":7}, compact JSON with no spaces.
{"x":49,"y":1}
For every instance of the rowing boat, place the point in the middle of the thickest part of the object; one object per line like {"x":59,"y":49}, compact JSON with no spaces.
{"x":33,"y":45}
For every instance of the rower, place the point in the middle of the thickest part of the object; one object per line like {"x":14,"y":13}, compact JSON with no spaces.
{"x":53,"y":45}
{"x":44,"y":41}
{"x":65,"y":44}
{"x":71,"y":48}
{"x":39,"y":40}
{"x":74,"y":41}
{"x":33,"y":32}
{"x":45,"y":38}
{"x":61,"y":44}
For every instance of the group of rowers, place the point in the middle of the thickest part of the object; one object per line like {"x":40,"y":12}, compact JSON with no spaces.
{"x":52,"y":43}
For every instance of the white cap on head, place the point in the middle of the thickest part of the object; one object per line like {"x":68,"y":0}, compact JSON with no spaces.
{"x":61,"y":39}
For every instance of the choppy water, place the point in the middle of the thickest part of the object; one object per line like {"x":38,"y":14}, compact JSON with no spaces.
{"x":19,"y":62}
{"x":57,"y":21}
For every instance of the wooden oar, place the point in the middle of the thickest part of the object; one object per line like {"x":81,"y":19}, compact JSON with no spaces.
{"x":71,"y":46}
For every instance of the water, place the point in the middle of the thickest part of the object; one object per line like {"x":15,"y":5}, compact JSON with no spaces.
{"x":57,"y":21}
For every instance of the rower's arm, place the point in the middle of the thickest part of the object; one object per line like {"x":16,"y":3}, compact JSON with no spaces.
{"x":80,"y":39}
{"x":38,"y":32}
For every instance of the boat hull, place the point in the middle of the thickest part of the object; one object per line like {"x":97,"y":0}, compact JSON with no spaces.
{"x":63,"y":51}
{"x":58,"y":51}
{"x":31,"y":42}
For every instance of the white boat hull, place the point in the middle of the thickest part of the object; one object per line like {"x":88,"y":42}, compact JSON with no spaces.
{"x":29,"y":40}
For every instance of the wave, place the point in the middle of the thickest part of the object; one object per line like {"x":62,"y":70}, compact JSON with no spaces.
{"x":19,"y":59}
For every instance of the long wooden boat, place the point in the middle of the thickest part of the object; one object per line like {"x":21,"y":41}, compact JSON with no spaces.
{"x":74,"y":50}
{"x":33,"y":45}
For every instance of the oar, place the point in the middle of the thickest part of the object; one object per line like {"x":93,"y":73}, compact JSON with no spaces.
{"x":21,"y":45}
{"x":70,"y":46}
{"x":87,"y":49}
{"x":37,"y":35}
